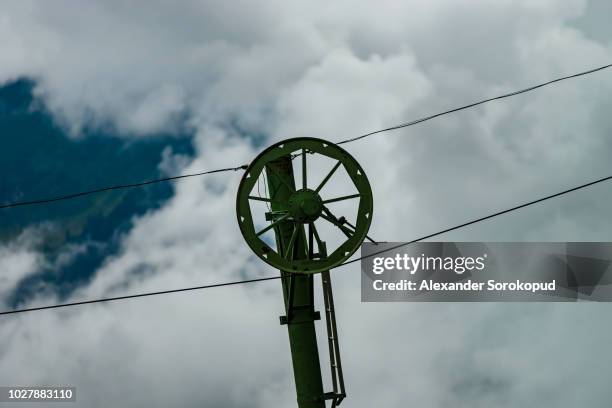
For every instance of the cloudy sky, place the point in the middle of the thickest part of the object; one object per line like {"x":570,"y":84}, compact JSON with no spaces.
{"x":104,"y":92}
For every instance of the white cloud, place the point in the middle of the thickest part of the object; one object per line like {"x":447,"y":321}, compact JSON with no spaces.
{"x":333,"y":70}
{"x":18,"y":259}
{"x":359,"y":93}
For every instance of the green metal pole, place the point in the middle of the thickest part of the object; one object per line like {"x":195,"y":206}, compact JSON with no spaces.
{"x":300,"y":318}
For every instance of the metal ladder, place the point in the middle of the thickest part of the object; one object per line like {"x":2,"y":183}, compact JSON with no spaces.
{"x":338,"y":393}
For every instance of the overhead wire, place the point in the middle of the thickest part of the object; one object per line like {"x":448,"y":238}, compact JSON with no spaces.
{"x":139,"y":295}
{"x":117,"y":187}
{"x":471,"y":105}
{"x":232,"y":283}
{"x":480,"y":219}
{"x":244,"y":167}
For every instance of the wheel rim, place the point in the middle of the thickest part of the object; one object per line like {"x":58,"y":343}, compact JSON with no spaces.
{"x":305,"y":207}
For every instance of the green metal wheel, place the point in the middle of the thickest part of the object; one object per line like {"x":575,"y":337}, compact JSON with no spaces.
{"x":299,"y":212}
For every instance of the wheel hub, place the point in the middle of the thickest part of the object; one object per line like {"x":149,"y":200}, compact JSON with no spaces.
{"x":305,"y":205}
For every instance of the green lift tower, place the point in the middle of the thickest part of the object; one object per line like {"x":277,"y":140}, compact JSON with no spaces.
{"x":288,"y":233}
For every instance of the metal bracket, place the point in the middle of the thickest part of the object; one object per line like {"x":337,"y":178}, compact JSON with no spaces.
{"x":300,"y":313}
{"x":300,"y":316}
{"x":336,"y":398}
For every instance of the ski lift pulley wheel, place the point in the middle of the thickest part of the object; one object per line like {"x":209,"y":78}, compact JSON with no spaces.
{"x":304,"y":206}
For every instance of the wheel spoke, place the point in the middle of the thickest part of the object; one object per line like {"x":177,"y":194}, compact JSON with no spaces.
{"x":266,"y":199}
{"x":310,"y":241}
{"x":304,"y":178}
{"x":314,"y":231}
{"x":289,"y":251}
{"x":272,"y":225}
{"x":330,"y":215}
{"x":348,"y":197}
{"x":355,"y":228}
{"x":331,"y":219}
{"x":326,"y":179}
